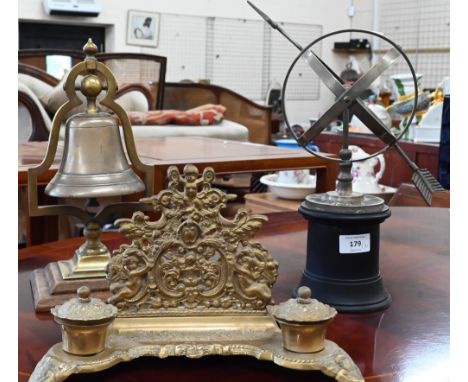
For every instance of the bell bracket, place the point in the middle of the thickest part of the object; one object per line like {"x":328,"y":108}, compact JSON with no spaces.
{"x":90,"y":66}
{"x":57,"y":282}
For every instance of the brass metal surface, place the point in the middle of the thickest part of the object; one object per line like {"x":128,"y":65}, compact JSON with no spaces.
{"x":83,"y":340}
{"x":303,"y":322}
{"x":84,"y":321}
{"x":194,"y":283}
{"x":86,"y":170}
{"x":195,"y":337}
{"x":304,"y":338}
{"x":90,"y":259}
{"x":303,"y":309}
{"x":192,"y":260}
{"x":83,"y":266}
{"x":94,"y":162}
{"x":49,"y":289}
{"x":84,"y":310}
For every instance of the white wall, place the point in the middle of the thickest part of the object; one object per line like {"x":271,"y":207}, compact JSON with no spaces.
{"x":331,"y":14}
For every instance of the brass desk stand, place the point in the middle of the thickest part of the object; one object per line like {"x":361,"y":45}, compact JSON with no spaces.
{"x":192,"y":284}
{"x":57,"y":365}
{"x":94,"y":164}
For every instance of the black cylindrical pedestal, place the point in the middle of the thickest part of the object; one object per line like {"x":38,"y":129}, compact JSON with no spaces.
{"x":345,"y":276}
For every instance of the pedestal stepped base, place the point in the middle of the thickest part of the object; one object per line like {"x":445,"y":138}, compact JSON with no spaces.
{"x":50,"y":289}
{"x":195,"y":337}
{"x":350,"y":282}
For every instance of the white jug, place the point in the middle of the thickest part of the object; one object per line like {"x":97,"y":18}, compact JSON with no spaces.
{"x":364,"y":178}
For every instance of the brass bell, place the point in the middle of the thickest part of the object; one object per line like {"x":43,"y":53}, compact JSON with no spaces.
{"x":97,"y":161}
{"x":94,"y":163}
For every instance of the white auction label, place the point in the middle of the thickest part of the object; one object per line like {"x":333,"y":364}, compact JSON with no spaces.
{"x":355,"y":243}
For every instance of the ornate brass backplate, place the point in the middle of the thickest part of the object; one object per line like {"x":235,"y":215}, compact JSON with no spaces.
{"x":192,"y":261}
{"x":193,"y":283}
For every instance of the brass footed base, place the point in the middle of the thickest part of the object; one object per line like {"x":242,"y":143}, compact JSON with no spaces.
{"x":195,"y":337}
{"x":58,"y":282}
{"x":83,"y":266}
{"x":50,"y":288}
{"x":90,"y":260}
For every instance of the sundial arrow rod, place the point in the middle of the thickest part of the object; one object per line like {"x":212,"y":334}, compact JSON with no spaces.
{"x":278,"y":27}
{"x":325,"y":68}
{"x":275,"y":26}
{"x":422,"y":178}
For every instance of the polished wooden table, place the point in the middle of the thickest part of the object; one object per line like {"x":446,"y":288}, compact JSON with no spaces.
{"x":267,"y":202}
{"x":225,"y":157}
{"x":407,"y":342}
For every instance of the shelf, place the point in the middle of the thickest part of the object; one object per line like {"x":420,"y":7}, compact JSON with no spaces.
{"x":352,"y":50}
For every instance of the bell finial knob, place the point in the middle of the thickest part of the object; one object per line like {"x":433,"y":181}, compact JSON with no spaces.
{"x":90,"y":48}
{"x":91,"y":86}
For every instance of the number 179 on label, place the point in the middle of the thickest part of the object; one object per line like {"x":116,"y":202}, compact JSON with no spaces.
{"x":355,"y":243}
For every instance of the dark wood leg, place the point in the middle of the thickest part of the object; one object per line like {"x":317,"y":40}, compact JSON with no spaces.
{"x":255,"y":185}
{"x":41,"y":229}
{"x":326,"y":177}
{"x":159,"y":178}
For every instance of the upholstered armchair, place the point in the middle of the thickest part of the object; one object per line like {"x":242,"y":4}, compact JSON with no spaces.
{"x":129,"y":68}
{"x":140,"y":76}
{"x":256,"y":117}
{"x":40,"y":95}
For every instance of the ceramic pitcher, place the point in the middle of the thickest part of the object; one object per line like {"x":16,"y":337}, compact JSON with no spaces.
{"x":365,"y":180}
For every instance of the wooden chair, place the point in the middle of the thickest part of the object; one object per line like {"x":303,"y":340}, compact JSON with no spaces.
{"x":39,"y":125}
{"x":257,"y":118}
{"x":150,"y":72}
{"x":40,"y":131}
{"x":129,"y":68}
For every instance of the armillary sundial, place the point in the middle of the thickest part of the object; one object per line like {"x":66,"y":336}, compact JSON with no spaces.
{"x":343,"y":239}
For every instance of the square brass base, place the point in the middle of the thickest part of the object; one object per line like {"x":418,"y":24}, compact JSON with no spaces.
{"x":195,"y":337}
{"x":50,"y":289}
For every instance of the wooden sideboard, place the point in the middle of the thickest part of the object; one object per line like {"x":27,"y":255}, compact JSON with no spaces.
{"x":425,"y":155}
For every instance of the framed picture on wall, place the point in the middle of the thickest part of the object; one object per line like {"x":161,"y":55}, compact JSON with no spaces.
{"x":143,"y":28}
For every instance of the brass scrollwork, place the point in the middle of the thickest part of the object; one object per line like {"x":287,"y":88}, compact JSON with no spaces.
{"x":192,"y":258}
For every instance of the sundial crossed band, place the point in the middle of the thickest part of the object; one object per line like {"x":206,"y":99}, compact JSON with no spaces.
{"x":348,"y":98}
